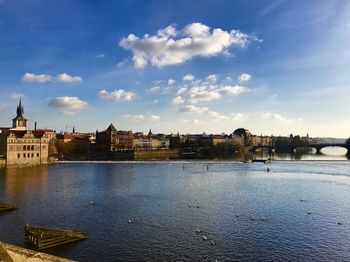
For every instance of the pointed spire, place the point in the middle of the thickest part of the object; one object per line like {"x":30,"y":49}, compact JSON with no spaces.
{"x":20,"y":110}
{"x":19,"y":122}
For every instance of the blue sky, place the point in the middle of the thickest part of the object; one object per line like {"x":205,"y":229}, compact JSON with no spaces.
{"x":274,"y":67}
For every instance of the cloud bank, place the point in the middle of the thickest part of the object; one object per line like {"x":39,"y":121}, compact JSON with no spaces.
{"x":43,"y":78}
{"x":170,"y":46}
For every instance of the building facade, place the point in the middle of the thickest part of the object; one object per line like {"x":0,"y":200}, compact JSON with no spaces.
{"x":21,"y":146}
{"x":111,"y":139}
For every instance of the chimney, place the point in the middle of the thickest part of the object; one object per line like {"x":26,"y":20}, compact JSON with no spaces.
{"x":35,"y":125}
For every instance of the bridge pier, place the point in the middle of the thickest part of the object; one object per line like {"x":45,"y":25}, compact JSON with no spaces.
{"x":318,"y":151}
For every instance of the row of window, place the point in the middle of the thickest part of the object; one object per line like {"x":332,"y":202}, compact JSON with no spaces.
{"x":27,"y":141}
{"x":28,"y":148}
{"x":28,"y":155}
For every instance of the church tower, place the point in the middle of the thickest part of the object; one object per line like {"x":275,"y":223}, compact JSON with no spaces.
{"x":19,"y":122}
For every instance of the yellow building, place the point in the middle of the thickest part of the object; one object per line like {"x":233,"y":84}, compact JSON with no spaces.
{"x":20,"y":146}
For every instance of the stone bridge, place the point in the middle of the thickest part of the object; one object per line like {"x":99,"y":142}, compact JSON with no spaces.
{"x":317,"y":146}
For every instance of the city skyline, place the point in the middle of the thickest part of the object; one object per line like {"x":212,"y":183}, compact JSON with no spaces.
{"x":189,"y":67}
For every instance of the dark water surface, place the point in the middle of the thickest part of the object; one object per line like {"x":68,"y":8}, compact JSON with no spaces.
{"x":248,"y":213}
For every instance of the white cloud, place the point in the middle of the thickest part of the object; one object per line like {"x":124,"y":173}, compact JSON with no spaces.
{"x":188,"y":77}
{"x":193,"y":121}
{"x":171,"y":82}
{"x":100,"y":56}
{"x":177,"y":100}
{"x":213,"y":115}
{"x":227,"y":54}
{"x":123,"y":63}
{"x":117,"y":95}
{"x":167,"y":90}
{"x":141,"y":117}
{"x":278,"y":117}
{"x":154,"y":89}
{"x":238,"y":116}
{"x":29,"y":77}
{"x":234,"y":90}
{"x":15,"y":96}
{"x":69,"y":104}
{"x":193,"y":109}
{"x":170,"y":47}
{"x":66,"y":78}
{"x":198,"y":94}
{"x":154,"y":118}
{"x":244,"y":77}
{"x":212,"y":78}
{"x":181,"y":90}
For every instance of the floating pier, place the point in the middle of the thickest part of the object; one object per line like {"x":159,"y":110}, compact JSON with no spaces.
{"x":42,"y":238}
{"x":7,"y":207}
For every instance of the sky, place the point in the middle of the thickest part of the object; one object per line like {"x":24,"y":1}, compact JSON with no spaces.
{"x":274,"y":67}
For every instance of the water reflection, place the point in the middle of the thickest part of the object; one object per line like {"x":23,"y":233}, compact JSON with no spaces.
{"x":162,"y":198}
{"x":21,"y":180}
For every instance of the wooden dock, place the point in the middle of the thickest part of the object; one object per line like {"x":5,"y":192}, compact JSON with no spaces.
{"x":7,"y":207}
{"x":42,"y":238}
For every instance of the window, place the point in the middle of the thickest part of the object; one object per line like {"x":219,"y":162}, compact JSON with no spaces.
{"x":24,"y":155}
{"x":28,"y":155}
{"x":18,"y":155}
{"x":32,"y":155}
{"x":24,"y":148}
{"x":32,"y":147}
{"x":28,"y":148}
{"x":37,"y":154}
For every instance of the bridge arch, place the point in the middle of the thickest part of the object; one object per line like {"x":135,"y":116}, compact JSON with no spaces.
{"x":333,"y":146}
{"x":319,"y":147}
{"x":294,"y":149}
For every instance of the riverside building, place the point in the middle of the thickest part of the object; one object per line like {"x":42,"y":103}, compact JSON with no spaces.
{"x":21,"y":146}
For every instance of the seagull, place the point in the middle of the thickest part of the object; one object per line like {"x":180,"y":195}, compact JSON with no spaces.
{"x":212,"y":243}
{"x":129,"y":221}
{"x":198,"y":231}
{"x":263,"y":219}
{"x":204,"y":238}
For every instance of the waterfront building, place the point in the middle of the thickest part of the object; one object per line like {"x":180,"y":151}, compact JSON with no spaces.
{"x":68,"y":137}
{"x":218,"y":139}
{"x":21,"y":146}
{"x":150,"y":141}
{"x":111,"y":139}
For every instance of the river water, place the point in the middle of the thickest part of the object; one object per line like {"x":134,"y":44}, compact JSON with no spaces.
{"x":299,"y":211}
